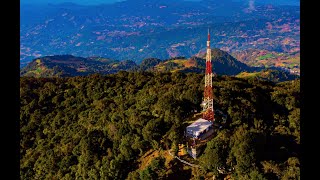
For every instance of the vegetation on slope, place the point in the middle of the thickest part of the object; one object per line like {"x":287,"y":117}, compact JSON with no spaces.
{"x":67,"y":65}
{"x":265,"y":58}
{"x":269,"y":75}
{"x":97,"y":127}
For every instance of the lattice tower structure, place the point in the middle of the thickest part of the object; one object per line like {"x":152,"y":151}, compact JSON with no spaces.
{"x":208,"y":112}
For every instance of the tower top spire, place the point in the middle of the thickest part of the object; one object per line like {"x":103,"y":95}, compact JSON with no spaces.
{"x":208,"y":34}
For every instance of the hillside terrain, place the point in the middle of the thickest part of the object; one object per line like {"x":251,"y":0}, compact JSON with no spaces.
{"x":223,"y":64}
{"x":68,"y":65}
{"x":264,"y":58}
{"x":121,"y":126}
{"x":164,"y":29}
{"x":268,"y":75}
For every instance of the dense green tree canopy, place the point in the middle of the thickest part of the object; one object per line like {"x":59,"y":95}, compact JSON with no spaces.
{"x":96,"y":127}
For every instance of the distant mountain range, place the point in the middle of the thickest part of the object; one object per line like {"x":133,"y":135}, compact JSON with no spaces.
{"x":68,"y":65}
{"x":137,"y":29}
{"x":223,"y":64}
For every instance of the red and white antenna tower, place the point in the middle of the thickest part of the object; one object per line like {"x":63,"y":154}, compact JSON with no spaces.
{"x":208,"y":113}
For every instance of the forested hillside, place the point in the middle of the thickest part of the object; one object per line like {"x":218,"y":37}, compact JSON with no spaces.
{"x":68,"y":65}
{"x":97,"y":127}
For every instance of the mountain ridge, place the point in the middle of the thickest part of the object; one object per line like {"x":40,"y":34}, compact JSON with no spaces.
{"x":223,"y":64}
{"x":69,"y":65}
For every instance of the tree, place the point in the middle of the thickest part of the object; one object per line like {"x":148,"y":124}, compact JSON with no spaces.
{"x":292,"y":170}
{"x":216,"y":153}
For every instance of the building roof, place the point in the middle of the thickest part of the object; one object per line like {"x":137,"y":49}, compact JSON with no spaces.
{"x":199,"y":126}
